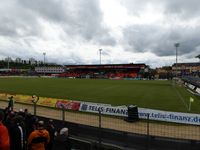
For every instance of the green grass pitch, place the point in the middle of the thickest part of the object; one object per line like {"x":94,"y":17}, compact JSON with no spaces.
{"x":162,"y":95}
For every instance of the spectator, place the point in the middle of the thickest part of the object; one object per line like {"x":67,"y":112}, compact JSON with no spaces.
{"x":31,"y":123}
{"x":4,"y":137}
{"x":9,"y":118}
{"x":39,"y":138}
{"x":61,"y":141}
{"x":21,"y":113}
{"x":17,"y":133}
{"x":26,"y":112}
{"x":11,"y":103}
{"x":51,"y":129}
{"x":6,"y":112}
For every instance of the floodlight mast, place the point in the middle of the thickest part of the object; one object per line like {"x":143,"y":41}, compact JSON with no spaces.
{"x":100,"y":55}
{"x":44,"y":62}
{"x":8,"y":62}
{"x":176,"y":46}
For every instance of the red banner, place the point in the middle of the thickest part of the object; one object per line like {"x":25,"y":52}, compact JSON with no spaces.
{"x":70,"y":105}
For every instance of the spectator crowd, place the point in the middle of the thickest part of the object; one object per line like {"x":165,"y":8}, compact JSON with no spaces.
{"x":24,"y":131}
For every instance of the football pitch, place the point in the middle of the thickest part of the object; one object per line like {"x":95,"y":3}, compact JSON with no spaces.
{"x":162,"y":95}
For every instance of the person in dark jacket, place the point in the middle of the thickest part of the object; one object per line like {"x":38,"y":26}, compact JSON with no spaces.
{"x":17,"y":133}
{"x":51,"y":129}
{"x":61,"y":141}
{"x":11,"y":103}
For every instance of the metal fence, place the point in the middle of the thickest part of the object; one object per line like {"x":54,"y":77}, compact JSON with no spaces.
{"x":102,"y":129}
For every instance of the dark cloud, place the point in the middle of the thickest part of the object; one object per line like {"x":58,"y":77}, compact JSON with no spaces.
{"x":49,"y":10}
{"x":177,"y":27}
{"x":16,"y":21}
{"x":183,"y":9}
{"x":160,"y":40}
{"x":78,"y":18}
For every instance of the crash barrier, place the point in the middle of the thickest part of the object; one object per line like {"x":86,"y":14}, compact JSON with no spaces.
{"x":107,"y":109}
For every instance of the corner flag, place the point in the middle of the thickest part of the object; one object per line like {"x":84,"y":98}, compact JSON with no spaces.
{"x":191,"y":99}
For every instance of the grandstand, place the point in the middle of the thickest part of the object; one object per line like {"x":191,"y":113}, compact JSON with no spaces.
{"x":116,"y":71}
{"x":186,"y":69}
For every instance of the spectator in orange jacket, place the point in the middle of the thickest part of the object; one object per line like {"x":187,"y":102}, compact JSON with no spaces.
{"x":4,"y":137}
{"x":39,"y":138}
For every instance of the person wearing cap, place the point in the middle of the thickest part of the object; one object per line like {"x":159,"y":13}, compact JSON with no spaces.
{"x":4,"y":136}
{"x":61,"y":141}
{"x":39,"y":138}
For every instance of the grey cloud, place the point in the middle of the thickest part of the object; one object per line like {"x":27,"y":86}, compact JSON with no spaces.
{"x":181,"y":9}
{"x":16,"y":21}
{"x":17,"y":52}
{"x":185,"y":9}
{"x":160,"y":40}
{"x":78,"y":18}
{"x":73,"y":59}
{"x":50,"y":10}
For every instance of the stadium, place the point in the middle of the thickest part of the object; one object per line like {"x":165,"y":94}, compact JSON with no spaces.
{"x":99,"y":75}
{"x":110,"y":99}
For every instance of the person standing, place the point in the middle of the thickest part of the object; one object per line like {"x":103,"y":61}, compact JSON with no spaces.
{"x":61,"y":141}
{"x":17,"y":133}
{"x":4,"y":136}
{"x":51,"y":129}
{"x":39,"y":138}
{"x":11,"y":103}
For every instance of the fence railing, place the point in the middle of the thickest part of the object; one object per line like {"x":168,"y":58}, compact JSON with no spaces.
{"x":139,"y":128}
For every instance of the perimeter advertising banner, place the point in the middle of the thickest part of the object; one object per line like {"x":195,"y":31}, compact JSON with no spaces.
{"x":68,"y":104}
{"x":27,"y":99}
{"x":105,"y":109}
{"x":23,"y":99}
{"x":185,"y":118}
{"x":4,"y":96}
{"x":45,"y":101}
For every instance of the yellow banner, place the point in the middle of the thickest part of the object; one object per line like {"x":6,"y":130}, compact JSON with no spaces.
{"x":23,"y":99}
{"x":49,"y":102}
{"x":27,"y":99}
{"x":5,"y":96}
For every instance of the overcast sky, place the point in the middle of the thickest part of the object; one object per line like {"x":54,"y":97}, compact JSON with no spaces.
{"x":127,"y":31}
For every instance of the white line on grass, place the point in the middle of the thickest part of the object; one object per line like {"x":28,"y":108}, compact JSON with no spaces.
{"x":181,"y":98}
